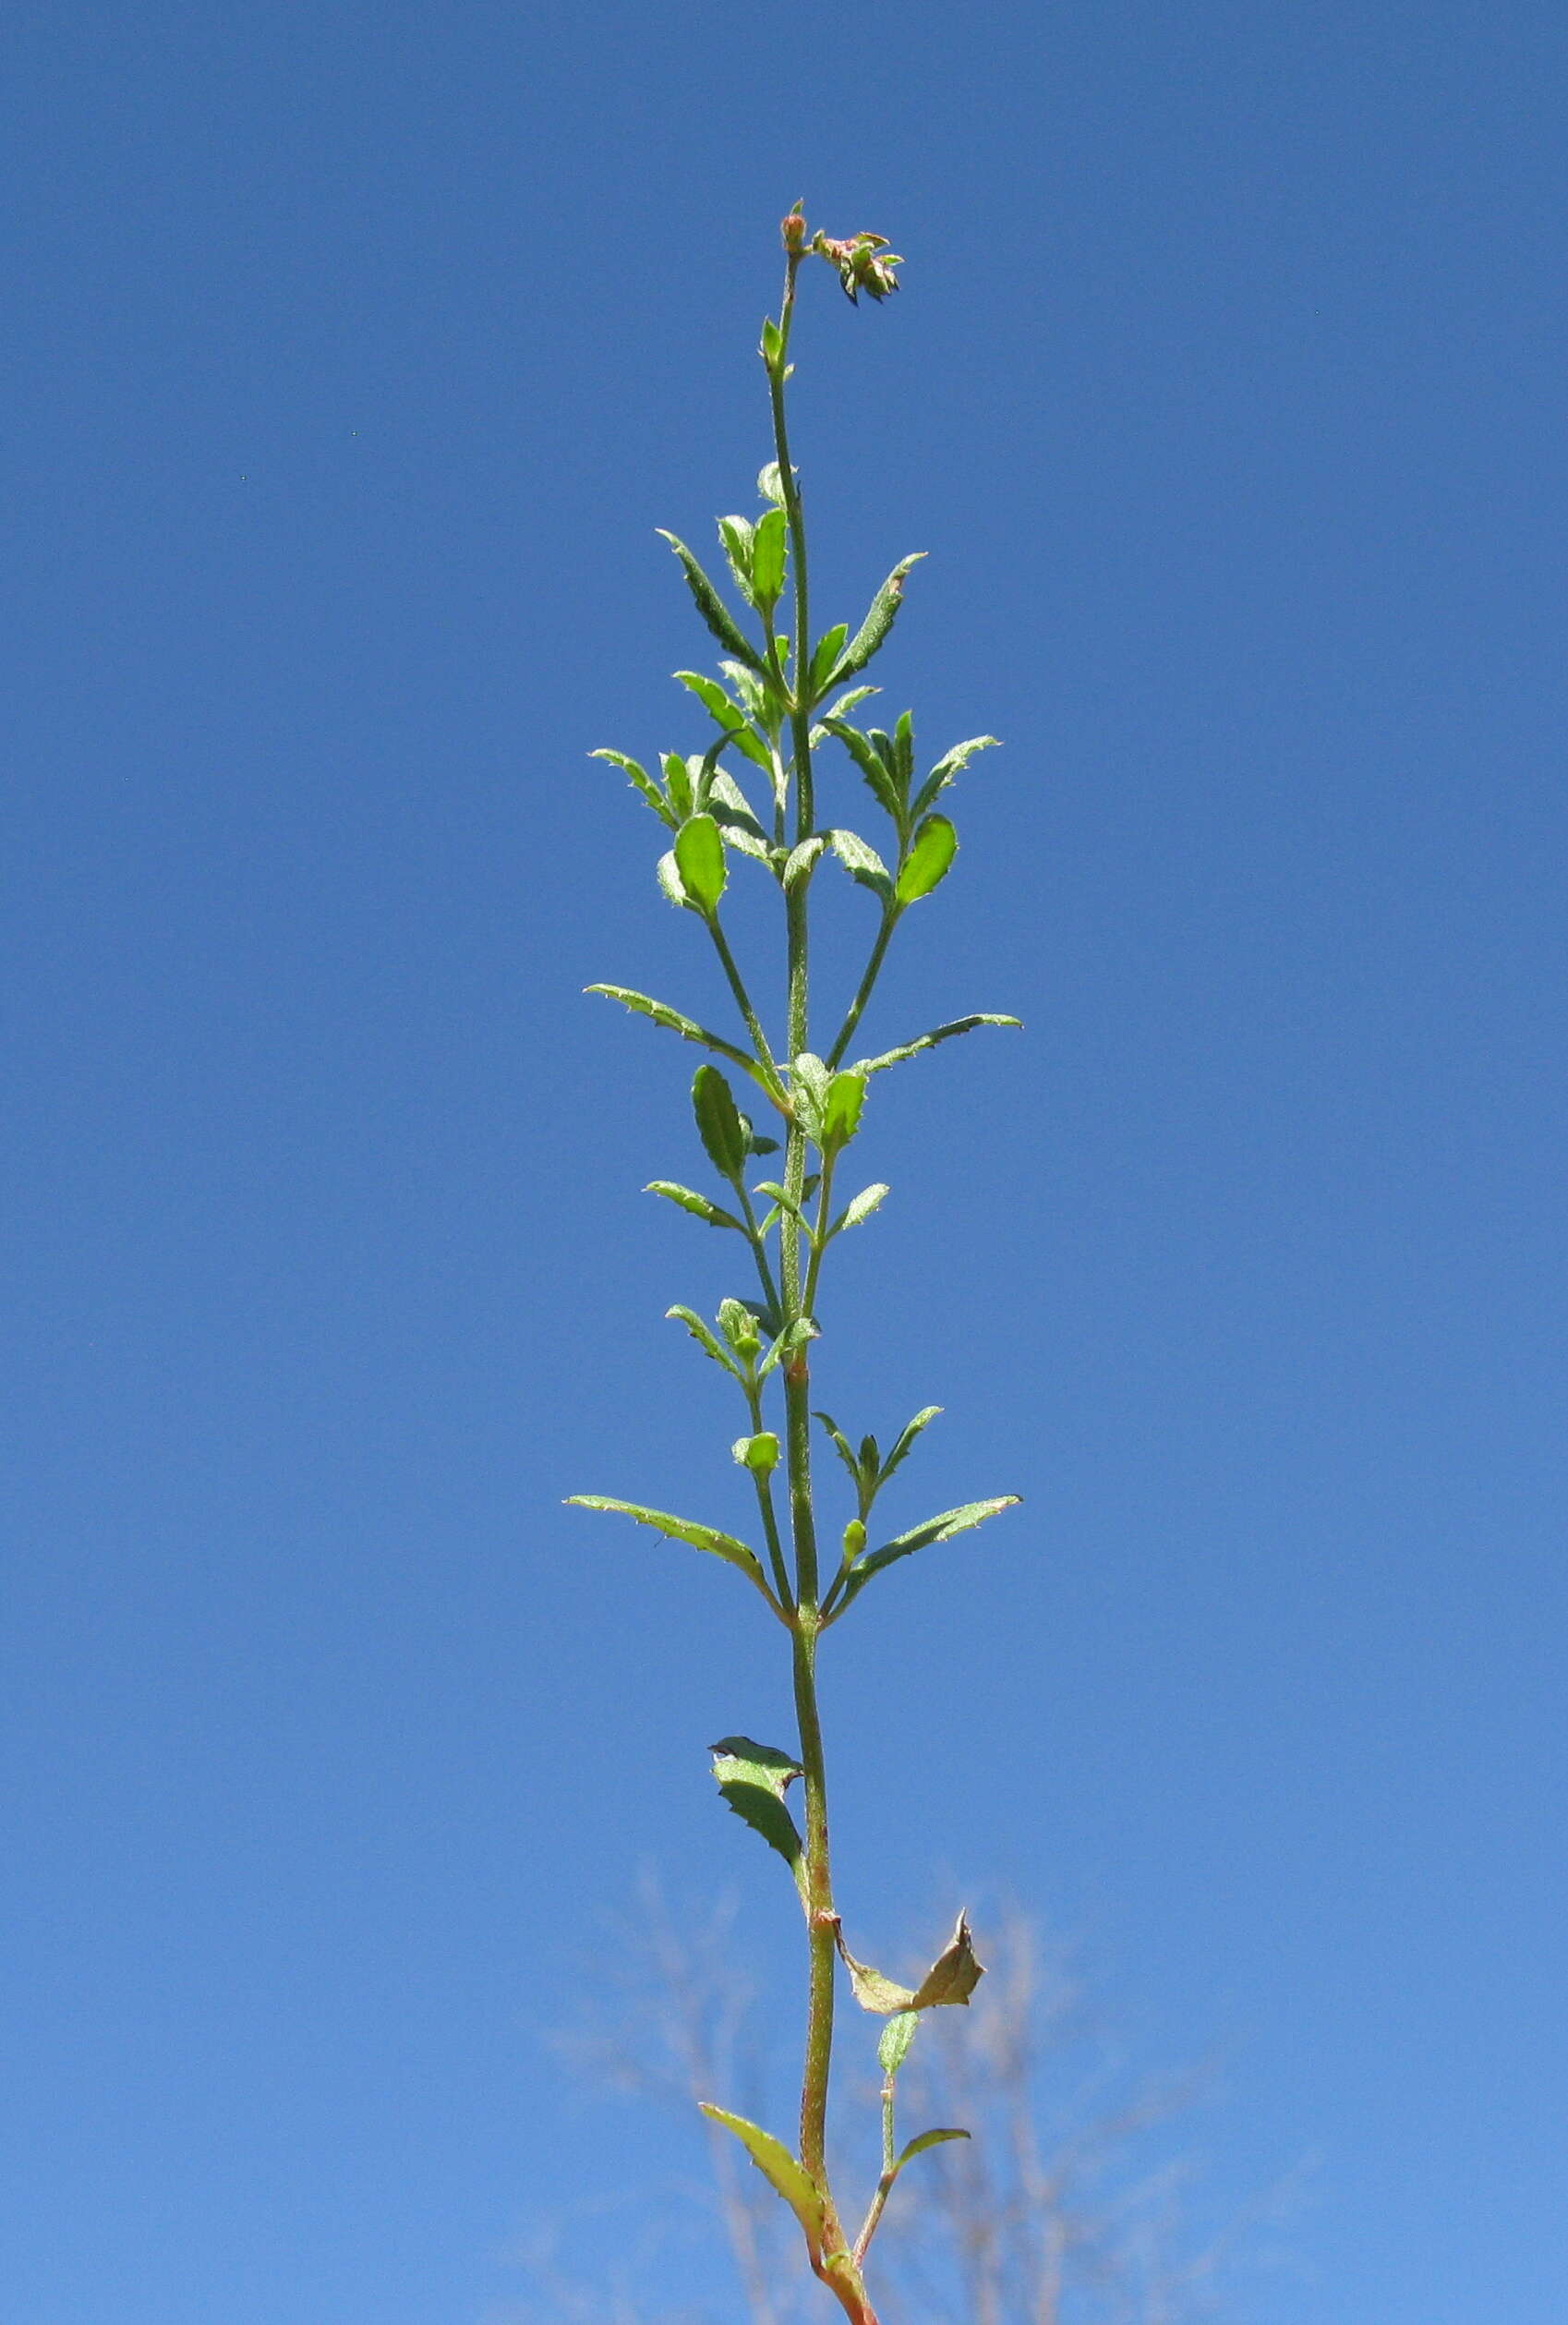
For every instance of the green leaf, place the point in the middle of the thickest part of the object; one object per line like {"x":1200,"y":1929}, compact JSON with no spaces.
{"x":801,"y":858}
{"x":687,"y":1027}
{"x":669,"y":873}
{"x":753,"y":1780}
{"x":735,"y":533}
{"x":699,"y":859}
{"x":641,"y":781}
{"x":688,"y":1199}
{"x":808,"y":1091}
{"x":951,"y":1522}
{"x":903,"y":749}
{"x":954,"y":1975}
{"x":841,"y":1109}
{"x":711,"y":606}
{"x":794,"y":1336}
{"x":931,"y":851}
{"x":861,"y":862}
{"x":928,"y":1041}
{"x":841,"y":1446}
{"x":770,"y":485}
{"x":679,"y":783}
{"x":772,"y":344}
{"x":883,"y":788}
{"x":788,"y":2179}
{"x":907,"y":1436}
{"x":884,"y":612}
{"x":719,"y":1122}
{"x":859,"y":1208}
{"x":706,"y":1340}
{"x":709,"y":1538}
{"x":897,"y":2036}
{"x":925,"y":2140}
{"x":952,"y":763}
{"x":825,"y":659}
{"x":728,"y":715}
{"x":782,"y":1200}
{"x":768,"y":550}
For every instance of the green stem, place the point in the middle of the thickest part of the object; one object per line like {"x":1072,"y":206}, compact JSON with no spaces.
{"x":862,"y":993}
{"x":889,"y":2174}
{"x":743,"y":1003}
{"x":759,"y":1249}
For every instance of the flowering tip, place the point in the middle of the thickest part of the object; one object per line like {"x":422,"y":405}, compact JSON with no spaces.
{"x":864,"y":263}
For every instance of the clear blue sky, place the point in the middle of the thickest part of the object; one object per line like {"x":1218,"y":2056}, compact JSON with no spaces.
{"x":353,"y":353}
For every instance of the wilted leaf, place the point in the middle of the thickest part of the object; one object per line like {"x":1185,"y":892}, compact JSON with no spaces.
{"x":954,"y":1975}
{"x":871,"y":1989}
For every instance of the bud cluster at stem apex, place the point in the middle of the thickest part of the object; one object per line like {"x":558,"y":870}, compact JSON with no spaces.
{"x":864,"y":260}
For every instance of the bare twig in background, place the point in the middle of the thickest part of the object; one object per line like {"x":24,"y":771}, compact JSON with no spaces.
{"x":1071,"y":2205}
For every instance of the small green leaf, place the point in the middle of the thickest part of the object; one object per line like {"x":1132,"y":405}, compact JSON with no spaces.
{"x":861,"y":862}
{"x":950,"y":764}
{"x":772,"y":344}
{"x":954,"y":1975}
{"x":841,"y":1446}
{"x":859,"y":1208}
{"x":897,"y":2036}
{"x":759,"y":1454}
{"x":740,"y":1328}
{"x":874,"y":630}
{"x":709,"y":1538}
{"x":753,"y":1780}
{"x":788,"y":2179}
{"x":642,"y":1005}
{"x":794,"y":1336}
{"x":841,"y":1109}
{"x":883,"y":788}
{"x":711,"y":606}
{"x":907,"y":1436}
{"x":728,"y":715}
{"x":719,"y":1122}
{"x":679,"y":784}
{"x":641,"y":781}
{"x":808,"y":1091}
{"x":825,"y":659}
{"x":706,"y":1340}
{"x":928,"y":1041}
{"x":735,"y":533}
{"x":770,"y":485}
{"x":669,"y":873}
{"x":951,"y":1522}
{"x":688,"y":1199}
{"x":768,"y":550}
{"x":699,"y":859}
{"x":799,"y":861}
{"x":931,"y":851}
{"x":925,"y":2140}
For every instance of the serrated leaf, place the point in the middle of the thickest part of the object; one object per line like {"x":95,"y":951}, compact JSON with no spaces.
{"x":688,"y":1199}
{"x":769,"y":545}
{"x":699,"y":860}
{"x":881,"y":784}
{"x":770,"y":485}
{"x":906,"y":1438}
{"x":861,"y":862}
{"x":893,"y":2047}
{"x":872,"y":631}
{"x":950,"y":764}
{"x":711,"y":606}
{"x":841,"y":1106}
{"x":669,"y":873}
{"x":719,"y":1122}
{"x":641,"y":781}
{"x":861,"y":1206}
{"x":950,"y":1522}
{"x":753,"y":1779}
{"x":785,"y":2176}
{"x":735,"y":534}
{"x":727,"y":805}
{"x":931,"y":851}
{"x":928,"y":1041}
{"x":708,"y":1538}
{"x":643,"y":1005}
{"x":704,"y":1339}
{"x":727,"y":715}
{"x":954,"y":1975}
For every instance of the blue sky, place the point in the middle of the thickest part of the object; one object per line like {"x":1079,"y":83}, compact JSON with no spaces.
{"x":353,"y":355}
